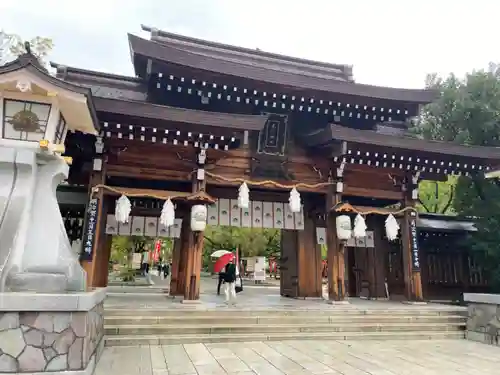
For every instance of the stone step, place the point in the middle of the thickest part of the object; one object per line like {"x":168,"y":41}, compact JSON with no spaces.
{"x":183,"y":329}
{"x":194,"y":310}
{"x":247,"y":337}
{"x":274,"y":320}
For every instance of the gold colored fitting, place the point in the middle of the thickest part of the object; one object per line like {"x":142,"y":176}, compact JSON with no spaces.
{"x":59,"y":148}
{"x":44,"y":144}
{"x":68,"y":160}
{"x":51,"y":94}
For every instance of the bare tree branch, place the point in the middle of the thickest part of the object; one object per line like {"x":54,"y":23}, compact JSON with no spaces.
{"x":423,"y":205}
{"x":450,"y":200}
{"x":436,"y":196}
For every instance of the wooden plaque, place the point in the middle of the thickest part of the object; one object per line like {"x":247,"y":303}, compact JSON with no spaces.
{"x":137,"y":226}
{"x":257,"y":214}
{"x":267,"y":215}
{"x":235,"y":213}
{"x":111,"y":225}
{"x":224,"y":208}
{"x":151,"y":227}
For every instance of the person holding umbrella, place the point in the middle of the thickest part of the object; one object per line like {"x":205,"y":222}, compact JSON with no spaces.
{"x":231,"y":276}
{"x":230,"y":283}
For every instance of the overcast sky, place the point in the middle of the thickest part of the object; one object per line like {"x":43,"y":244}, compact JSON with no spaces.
{"x":389,"y":42}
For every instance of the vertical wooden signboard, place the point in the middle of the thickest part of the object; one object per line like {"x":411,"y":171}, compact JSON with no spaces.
{"x":89,"y":233}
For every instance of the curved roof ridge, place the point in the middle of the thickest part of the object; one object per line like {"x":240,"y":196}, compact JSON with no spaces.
{"x":173,"y":54}
{"x":344,"y":69}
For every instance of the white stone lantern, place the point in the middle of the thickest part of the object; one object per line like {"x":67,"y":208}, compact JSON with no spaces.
{"x":36,"y":111}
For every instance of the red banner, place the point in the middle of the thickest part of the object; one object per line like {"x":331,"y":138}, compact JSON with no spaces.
{"x":157,"y":250}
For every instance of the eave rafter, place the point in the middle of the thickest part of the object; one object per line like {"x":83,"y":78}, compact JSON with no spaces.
{"x":365,"y":147}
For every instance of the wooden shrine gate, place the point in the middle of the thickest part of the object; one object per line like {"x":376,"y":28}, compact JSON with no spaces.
{"x":196,"y":118}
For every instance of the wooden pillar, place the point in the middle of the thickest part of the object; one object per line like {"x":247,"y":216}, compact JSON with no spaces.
{"x":192,"y":243}
{"x":176,"y":280}
{"x":308,"y":260}
{"x":91,"y":249}
{"x":380,"y":250}
{"x":335,"y":247}
{"x":409,"y":234}
{"x":101,"y":260}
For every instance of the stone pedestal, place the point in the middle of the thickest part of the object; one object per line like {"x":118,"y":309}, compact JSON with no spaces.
{"x":51,"y":333}
{"x":483,"y":319}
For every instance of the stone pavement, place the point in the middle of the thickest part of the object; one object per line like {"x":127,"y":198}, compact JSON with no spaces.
{"x":459,"y":357}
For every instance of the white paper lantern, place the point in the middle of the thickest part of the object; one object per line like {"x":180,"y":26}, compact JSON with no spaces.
{"x":343,"y":223}
{"x":198,"y":218}
{"x":243,"y":196}
{"x":294,"y":201}
{"x":359,"y":227}
{"x":122,"y":209}
{"x":167,"y":217}
{"x":391,"y":228}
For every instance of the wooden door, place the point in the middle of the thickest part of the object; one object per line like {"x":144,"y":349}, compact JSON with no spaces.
{"x":289,"y":275}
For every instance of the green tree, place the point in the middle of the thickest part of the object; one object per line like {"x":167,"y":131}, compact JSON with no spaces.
{"x":12,"y":45}
{"x":437,"y":196}
{"x":250,"y":241}
{"x":467,"y":111}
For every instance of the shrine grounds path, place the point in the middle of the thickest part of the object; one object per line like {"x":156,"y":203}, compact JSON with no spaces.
{"x":305,"y":358}
{"x":366,"y":357}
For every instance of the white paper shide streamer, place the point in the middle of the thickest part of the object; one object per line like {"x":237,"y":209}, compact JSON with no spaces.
{"x":122,"y":209}
{"x":359,"y":227}
{"x":391,"y":228}
{"x":167,"y":217}
{"x":243,"y":196}
{"x":294,"y":201}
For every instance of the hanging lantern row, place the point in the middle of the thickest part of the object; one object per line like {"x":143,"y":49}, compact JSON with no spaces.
{"x":345,"y":230}
{"x":294,"y":200}
{"x":123,"y":208}
{"x":167,"y":217}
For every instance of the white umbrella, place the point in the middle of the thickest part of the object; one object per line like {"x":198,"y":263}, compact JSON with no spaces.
{"x":219,"y":253}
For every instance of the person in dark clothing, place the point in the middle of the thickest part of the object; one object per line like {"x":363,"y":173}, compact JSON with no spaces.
{"x":166,"y":270}
{"x":230,"y":283}
{"x":221,"y":279}
{"x":159,"y":266}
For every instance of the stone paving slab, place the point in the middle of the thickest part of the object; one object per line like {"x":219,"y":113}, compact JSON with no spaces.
{"x":458,"y":357}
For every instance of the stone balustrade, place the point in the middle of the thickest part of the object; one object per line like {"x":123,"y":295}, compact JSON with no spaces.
{"x":483,"y":322}
{"x":51,"y":333}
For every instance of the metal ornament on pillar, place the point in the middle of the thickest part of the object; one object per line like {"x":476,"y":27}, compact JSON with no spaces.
{"x":359,"y":227}
{"x":294,"y":201}
{"x":122,"y":209}
{"x":198,"y":218}
{"x":243,"y":196}
{"x":391,"y":228}
{"x":167,"y":217}
{"x":343,"y":224}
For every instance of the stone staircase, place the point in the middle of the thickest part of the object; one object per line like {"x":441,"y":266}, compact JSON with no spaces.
{"x":149,"y":326}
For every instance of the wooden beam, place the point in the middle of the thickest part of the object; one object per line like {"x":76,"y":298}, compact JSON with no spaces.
{"x":372,"y":193}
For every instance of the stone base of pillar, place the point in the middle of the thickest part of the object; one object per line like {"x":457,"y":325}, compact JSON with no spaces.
{"x":38,"y":282}
{"x":414,"y":302}
{"x":191,"y":301}
{"x":344,"y":302}
{"x":51,"y":333}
